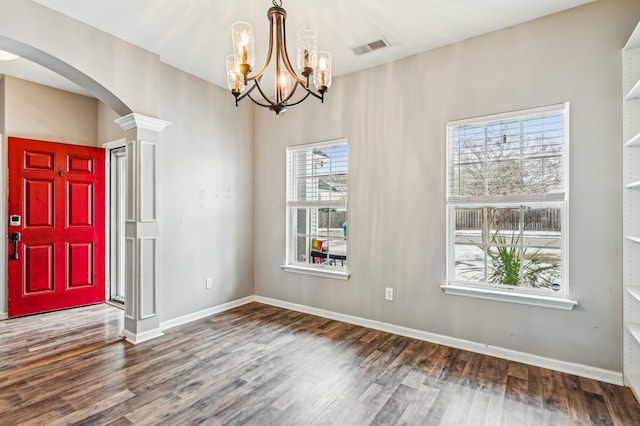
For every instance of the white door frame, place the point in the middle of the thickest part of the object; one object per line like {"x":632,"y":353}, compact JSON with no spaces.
{"x":108,"y":147}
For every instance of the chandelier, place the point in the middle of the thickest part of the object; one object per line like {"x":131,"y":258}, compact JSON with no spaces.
{"x":310,"y":63}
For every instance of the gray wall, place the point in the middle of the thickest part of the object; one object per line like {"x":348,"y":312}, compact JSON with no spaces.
{"x":35,"y":111}
{"x":108,"y":129}
{"x":2,"y":83}
{"x":394,"y":117}
{"x":206,"y":196}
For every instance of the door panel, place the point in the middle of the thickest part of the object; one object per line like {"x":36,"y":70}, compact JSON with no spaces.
{"x":39,"y":268}
{"x":80,"y":164}
{"x":34,"y":160}
{"x":39,"y":203}
{"x":58,"y":190}
{"x":80,"y":264}
{"x":79,"y":204}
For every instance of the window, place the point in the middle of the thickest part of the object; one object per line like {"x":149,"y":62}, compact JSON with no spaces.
{"x":507,"y":203}
{"x":317,"y":190}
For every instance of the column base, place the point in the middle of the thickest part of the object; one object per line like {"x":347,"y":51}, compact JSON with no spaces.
{"x":135,"y":338}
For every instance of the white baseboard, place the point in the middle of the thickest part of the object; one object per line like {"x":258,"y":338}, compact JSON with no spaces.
{"x":4,"y":316}
{"x":136,"y":338}
{"x":185,"y":319}
{"x":595,"y":373}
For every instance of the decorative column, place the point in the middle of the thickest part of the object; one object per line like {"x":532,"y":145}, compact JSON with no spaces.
{"x":141,"y":317}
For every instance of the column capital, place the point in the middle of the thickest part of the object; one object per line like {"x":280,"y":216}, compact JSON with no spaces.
{"x":134,"y":120}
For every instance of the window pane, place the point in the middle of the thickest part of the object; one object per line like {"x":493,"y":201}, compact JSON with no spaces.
{"x":541,"y":268}
{"x":320,"y":236}
{"x":318,"y":173}
{"x":503,"y":225}
{"x":523,"y":245}
{"x":515,"y":156}
{"x":466,"y":160}
{"x":519,"y":266}
{"x":332,"y":230}
{"x":468,"y":225}
{"x":503,"y":177}
{"x":503,"y":265}
{"x":469,"y":263}
{"x":332,"y":172}
{"x":300,"y":223}
{"x":542,"y":227}
{"x":300,"y":252}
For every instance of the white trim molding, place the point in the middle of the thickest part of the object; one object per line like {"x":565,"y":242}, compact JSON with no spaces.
{"x":595,"y":373}
{"x":194,"y":316}
{"x":134,"y":120}
{"x":4,"y":316}
{"x":319,"y":272}
{"x":511,"y":296}
{"x":136,"y":338}
{"x":148,"y":277}
{"x":118,"y":143}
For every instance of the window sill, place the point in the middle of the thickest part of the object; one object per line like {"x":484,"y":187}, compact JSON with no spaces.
{"x":511,"y":297}
{"x":327,"y":273}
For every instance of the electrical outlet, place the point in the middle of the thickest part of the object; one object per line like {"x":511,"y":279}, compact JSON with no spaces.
{"x":209,"y":283}
{"x":388,"y":293}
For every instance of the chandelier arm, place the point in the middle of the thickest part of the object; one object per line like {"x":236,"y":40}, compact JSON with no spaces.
{"x":244,"y":95}
{"x":259,"y":103}
{"x":270,"y":50}
{"x":311,"y":92}
{"x":301,"y":100}
{"x":285,"y":55}
{"x":293,"y":91}
{"x":265,"y":97}
{"x":278,"y":86}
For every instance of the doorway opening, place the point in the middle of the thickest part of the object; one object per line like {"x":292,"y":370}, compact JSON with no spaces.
{"x":117,"y":198}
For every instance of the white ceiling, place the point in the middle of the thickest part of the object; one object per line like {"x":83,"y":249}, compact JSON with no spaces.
{"x":195,"y":35}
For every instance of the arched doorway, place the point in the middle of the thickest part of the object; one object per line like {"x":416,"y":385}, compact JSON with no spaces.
{"x":141,"y":315}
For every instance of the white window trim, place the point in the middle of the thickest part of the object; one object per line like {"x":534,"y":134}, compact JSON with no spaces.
{"x":326,"y":271}
{"x":510,"y":296}
{"x":503,"y":293}
{"x":319,"y":271}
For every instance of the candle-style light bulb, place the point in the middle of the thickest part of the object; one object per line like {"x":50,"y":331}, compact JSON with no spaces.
{"x":307,"y":50}
{"x":322,"y":76}
{"x":244,"y":42}
{"x":235,"y":82}
{"x":243,"y":46}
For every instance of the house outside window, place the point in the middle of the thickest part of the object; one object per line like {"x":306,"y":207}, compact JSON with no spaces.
{"x":507,"y":203}
{"x":317,"y":192}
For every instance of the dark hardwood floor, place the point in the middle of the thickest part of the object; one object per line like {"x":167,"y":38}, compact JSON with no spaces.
{"x":263,"y":365}
{"x":32,"y":339}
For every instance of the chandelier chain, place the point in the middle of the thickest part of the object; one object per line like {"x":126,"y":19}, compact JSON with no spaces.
{"x":277,"y":3}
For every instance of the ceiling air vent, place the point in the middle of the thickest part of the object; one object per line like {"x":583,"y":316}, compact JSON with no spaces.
{"x":370,"y":47}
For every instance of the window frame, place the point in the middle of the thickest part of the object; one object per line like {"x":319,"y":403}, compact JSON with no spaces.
{"x":304,"y":267}
{"x":502,"y":292}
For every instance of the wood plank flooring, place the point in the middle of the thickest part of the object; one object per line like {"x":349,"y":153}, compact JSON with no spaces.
{"x":30,"y":339}
{"x":263,"y":365}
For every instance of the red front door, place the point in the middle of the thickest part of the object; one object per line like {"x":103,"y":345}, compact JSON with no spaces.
{"x":56,"y":192}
